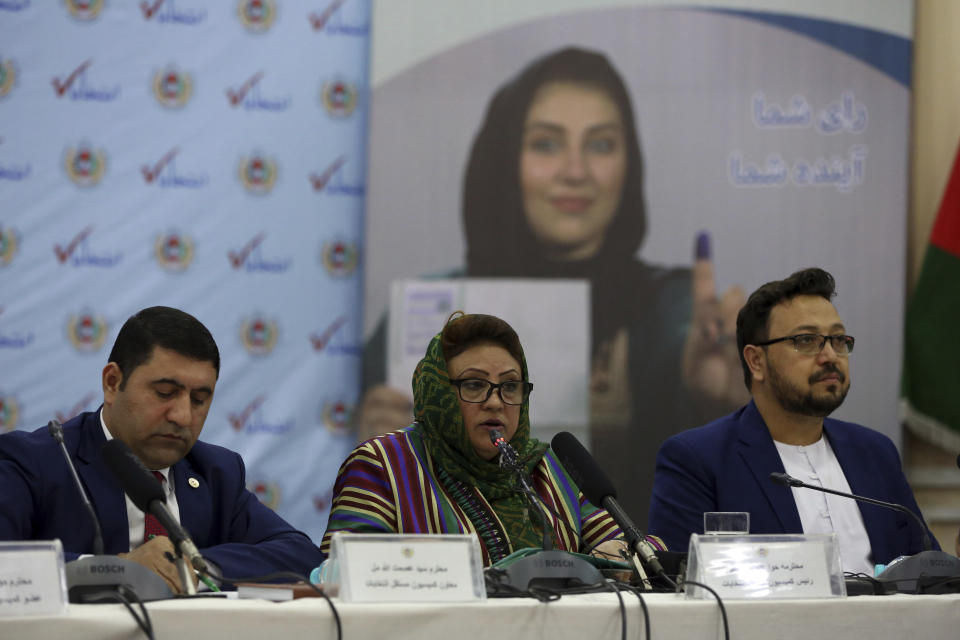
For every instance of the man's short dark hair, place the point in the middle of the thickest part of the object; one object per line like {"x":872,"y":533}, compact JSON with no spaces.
{"x":164,"y":327}
{"x":753,"y":321}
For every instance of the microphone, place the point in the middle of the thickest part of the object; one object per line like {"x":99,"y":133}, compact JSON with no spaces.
{"x":788,"y":480}
{"x":511,"y":461}
{"x":56,"y":431}
{"x":89,"y":578}
{"x":147,"y":494}
{"x":598,"y":489}
{"x":926,"y":572}
{"x":508,"y":455}
{"x":548,"y":568}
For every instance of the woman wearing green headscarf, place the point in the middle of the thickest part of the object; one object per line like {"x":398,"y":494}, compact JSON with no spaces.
{"x":442,"y":473}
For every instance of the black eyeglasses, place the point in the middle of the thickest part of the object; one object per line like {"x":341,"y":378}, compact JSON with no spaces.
{"x":812,"y":343}
{"x":480,"y":390}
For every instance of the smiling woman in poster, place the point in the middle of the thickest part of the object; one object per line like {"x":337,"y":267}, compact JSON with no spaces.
{"x":554,"y":189}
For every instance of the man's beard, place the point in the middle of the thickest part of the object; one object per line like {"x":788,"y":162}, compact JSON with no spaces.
{"x":794,"y":400}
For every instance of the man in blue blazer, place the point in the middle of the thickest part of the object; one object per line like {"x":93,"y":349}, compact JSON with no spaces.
{"x":157,"y":388}
{"x":795,"y":355}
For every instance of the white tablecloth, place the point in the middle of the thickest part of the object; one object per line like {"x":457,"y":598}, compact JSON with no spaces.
{"x":591,"y":617}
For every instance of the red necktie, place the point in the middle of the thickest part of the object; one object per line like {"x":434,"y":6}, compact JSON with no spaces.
{"x":152,"y":526}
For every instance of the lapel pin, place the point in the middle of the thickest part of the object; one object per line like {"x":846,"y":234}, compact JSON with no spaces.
{"x":193,"y":482}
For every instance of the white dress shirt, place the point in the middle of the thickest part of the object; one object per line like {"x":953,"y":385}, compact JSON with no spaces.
{"x":817,"y":464}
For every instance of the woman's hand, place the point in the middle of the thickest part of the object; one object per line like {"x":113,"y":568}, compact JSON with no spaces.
{"x":611,"y":549}
{"x":711,"y":363}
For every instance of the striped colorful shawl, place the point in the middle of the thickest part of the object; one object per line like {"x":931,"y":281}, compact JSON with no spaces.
{"x":390,"y":485}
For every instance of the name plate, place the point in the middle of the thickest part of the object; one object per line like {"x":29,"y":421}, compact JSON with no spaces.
{"x":32,"y":578}
{"x":765,"y":566}
{"x":407,"y":568}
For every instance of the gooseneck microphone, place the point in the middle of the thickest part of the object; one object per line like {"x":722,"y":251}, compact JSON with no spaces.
{"x":147,"y":494}
{"x":926,"y":572}
{"x":598,"y":489}
{"x":511,"y":461}
{"x":56,"y":431}
{"x":92,"y":578}
{"x":788,"y":480}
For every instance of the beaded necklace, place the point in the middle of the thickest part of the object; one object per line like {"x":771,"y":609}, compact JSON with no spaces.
{"x":493,"y":537}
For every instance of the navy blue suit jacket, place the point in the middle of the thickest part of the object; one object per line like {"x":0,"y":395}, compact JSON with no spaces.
{"x":725,"y":466}
{"x":230,"y":526}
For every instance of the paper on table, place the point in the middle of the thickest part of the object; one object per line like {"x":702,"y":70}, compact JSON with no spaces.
{"x":766,"y":566}
{"x":407,"y":568}
{"x":277,"y":592}
{"x":32,"y":578}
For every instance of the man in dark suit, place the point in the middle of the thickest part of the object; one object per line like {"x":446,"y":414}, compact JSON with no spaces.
{"x":157,"y":390}
{"x":795,"y":355}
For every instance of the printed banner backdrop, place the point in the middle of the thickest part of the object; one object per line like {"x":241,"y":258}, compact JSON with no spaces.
{"x":780,"y":132}
{"x":208,"y":156}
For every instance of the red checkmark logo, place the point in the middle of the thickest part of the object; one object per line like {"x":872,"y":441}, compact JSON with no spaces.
{"x":319,"y":342}
{"x":318,"y":22}
{"x":238,"y":420}
{"x":320,"y":181}
{"x":236,"y":96}
{"x":150,"y":9}
{"x":237,"y":258}
{"x":75,"y":409}
{"x":61,"y":87}
{"x":150,"y":174}
{"x":64,"y":254}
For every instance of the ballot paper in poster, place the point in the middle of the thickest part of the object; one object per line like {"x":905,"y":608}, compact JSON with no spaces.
{"x":765,"y":566}
{"x":32,"y":578}
{"x":551,"y":317}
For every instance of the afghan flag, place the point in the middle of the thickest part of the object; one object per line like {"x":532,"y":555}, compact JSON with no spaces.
{"x":931,"y":371}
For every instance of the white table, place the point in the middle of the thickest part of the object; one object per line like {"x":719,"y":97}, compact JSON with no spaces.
{"x":592,"y":617}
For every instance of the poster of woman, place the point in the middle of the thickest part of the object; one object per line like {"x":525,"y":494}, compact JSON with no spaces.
{"x":671,"y":158}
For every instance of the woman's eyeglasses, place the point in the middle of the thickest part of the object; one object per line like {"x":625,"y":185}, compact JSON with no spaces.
{"x":480,"y":390}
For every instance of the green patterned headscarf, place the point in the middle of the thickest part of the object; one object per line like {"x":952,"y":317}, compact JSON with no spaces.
{"x":436,"y":408}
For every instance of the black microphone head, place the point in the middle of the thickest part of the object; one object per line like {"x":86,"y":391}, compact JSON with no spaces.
{"x":785,"y":479}
{"x":56,"y":430}
{"x":494,"y":435}
{"x":137,"y":481}
{"x":582,"y":467}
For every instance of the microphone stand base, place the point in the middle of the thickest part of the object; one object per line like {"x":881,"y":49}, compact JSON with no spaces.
{"x":88,"y":578}
{"x":925,"y":572}
{"x":552,"y":570}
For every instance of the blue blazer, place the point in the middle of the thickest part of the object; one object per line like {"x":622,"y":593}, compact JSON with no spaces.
{"x":230,"y":526}
{"x":725,"y":466}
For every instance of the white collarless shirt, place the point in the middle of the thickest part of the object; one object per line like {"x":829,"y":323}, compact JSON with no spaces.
{"x":817,"y":464}
{"x":135,"y":517}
